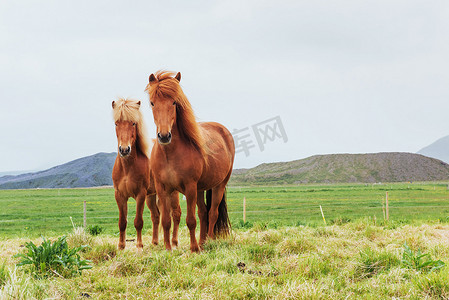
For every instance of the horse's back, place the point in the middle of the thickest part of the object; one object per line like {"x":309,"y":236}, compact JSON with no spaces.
{"x":220,"y":152}
{"x":217,"y":135}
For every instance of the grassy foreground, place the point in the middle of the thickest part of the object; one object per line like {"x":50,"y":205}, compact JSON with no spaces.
{"x":356,"y":260}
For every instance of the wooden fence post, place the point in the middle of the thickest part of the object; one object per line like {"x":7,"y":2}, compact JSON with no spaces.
{"x":322,"y":214}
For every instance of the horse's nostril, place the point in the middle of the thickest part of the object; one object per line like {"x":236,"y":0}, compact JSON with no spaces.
{"x":124,"y":150}
{"x":164,"y":138}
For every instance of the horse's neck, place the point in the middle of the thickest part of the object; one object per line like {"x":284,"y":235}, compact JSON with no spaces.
{"x":178,"y":136}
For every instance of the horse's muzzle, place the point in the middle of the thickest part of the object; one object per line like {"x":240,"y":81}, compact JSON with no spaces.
{"x":164,"y":139}
{"x":124,"y":151}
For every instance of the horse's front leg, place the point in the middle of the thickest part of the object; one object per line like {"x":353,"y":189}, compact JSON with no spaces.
{"x":164,"y":205}
{"x":191,"y":196}
{"x":138,"y":221}
{"x":176,"y":216}
{"x":122,"y":203}
{"x":155,"y":216}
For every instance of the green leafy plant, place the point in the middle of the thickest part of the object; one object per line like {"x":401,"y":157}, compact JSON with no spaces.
{"x":420,"y":261}
{"x":51,"y":259}
{"x":241,"y":224}
{"x":95,"y":230}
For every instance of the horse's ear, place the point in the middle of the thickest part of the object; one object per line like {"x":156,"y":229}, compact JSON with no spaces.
{"x":152,"y":78}
{"x":113,"y":104}
{"x":178,"y":77}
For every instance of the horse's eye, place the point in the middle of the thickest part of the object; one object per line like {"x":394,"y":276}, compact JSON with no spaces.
{"x":134,"y":124}
{"x":116,"y":124}
{"x":152,"y":104}
{"x":174,"y":103}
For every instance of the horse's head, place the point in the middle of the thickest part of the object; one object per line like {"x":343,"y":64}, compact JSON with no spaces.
{"x":126,"y":131}
{"x":164,"y":105}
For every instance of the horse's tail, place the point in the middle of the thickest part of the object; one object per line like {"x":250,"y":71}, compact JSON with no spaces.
{"x":222,"y":227}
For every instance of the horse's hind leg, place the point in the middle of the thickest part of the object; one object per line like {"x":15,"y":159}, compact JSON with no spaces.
{"x":155,"y":216}
{"x":217,"y":196}
{"x":138,"y":221}
{"x":202,"y":214}
{"x":176,"y":216}
{"x":122,"y":203}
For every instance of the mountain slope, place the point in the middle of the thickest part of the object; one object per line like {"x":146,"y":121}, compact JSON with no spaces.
{"x":377,"y":167}
{"x":438,"y":149}
{"x":94,"y":170}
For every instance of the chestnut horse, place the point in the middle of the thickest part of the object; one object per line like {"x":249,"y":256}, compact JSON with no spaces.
{"x":131,"y":173}
{"x":190,"y":158}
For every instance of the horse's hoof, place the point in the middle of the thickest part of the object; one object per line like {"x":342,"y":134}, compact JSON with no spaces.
{"x":121,"y":246}
{"x":174,"y":243}
{"x":194,"y":249}
{"x":155,"y":242}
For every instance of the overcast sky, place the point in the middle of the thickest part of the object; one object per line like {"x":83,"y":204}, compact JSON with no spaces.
{"x":343,"y":76}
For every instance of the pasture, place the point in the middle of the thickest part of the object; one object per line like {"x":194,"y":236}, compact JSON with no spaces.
{"x":284,"y":251}
{"x":31,"y":213}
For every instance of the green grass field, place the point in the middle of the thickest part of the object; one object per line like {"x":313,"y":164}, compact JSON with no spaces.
{"x":284,"y":251}
{"x":31,"y":213}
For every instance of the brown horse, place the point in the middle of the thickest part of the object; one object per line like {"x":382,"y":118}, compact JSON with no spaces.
{"x":190,"y":158}
{"x":131,"y":173}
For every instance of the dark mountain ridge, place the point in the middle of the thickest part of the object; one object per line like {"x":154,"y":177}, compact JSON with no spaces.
{"x":335,"y":168}
{"x":96,"y":170}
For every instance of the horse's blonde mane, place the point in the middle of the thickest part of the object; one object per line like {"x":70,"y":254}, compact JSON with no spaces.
{"x":128,"y":110}
{"x":167,"y":87}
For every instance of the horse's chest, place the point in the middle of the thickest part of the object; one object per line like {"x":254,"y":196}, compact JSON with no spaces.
{"x":129,"y":186}
{"x":175,"y":171}
{"x":169,"y":176}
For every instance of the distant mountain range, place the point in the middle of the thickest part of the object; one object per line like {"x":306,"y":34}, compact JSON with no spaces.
{"x":334,"y":168}
{"x":96,"y":170}
{"x":438,"y":149}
